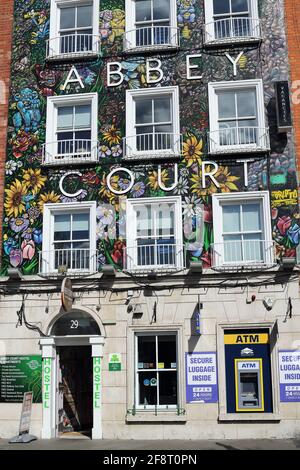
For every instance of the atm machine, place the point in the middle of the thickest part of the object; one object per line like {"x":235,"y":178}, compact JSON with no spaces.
{"x":249,"y":387}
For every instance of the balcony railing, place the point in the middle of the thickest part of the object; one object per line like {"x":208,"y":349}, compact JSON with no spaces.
{"x":234,"y":29}
{"x":243,"y":255}
{"x":239,"y":140}
{"x":151,"y":37}
{"x":156,"y":256}
{"x":155,"y":145}
{"x":72,"y":46}
{"x":64,"y":152}
{"x":76,"y":261}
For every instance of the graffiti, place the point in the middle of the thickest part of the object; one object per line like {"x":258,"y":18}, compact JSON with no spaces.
{"x":29,"y":186}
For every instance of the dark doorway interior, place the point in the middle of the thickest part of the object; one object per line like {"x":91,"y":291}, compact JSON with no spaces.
{"x":75,"y":390}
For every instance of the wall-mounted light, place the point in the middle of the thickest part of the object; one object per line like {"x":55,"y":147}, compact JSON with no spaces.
{"x":196,"y":267}
{"x":14,"y":274}
{"x":108,"y":270}
{"x":288,"y":263}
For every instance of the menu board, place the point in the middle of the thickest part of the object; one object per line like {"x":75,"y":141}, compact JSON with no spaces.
{"x":18,"y":375}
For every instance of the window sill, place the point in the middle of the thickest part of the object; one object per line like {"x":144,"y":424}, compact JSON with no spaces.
{"x":249,"y":417}
{"x":151,"y":48}
{"x":232,"y":40}
{"x":150,"y":416}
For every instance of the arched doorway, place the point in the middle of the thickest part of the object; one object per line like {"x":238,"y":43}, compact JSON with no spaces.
{"x":72,"y":376}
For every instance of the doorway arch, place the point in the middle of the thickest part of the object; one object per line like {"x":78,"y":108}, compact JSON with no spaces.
{"x":82,"y":332}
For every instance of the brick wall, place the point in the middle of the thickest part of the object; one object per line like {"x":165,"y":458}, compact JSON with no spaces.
{"x":6,"y":24}
{"x":292,"y":13}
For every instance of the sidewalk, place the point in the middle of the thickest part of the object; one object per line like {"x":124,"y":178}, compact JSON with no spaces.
{"x":173,"y":445}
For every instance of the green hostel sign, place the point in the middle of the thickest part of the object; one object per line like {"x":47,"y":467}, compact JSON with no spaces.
{"x":114,"y":363}
{"x":20,"y":374}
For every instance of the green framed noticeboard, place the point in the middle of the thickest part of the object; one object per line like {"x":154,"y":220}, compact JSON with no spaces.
{"x":20,"y":374}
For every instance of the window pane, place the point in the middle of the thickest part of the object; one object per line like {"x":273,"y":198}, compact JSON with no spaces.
{"x":67,"y":18}
{"x":148,"y":388}
{"x":221,"y":6}
{"x":239,"y":5}
{"x":167,"y":352}
{"x":251,"y":217}
{"x":84,"y":16}
{"x":226,"y":105}
{"x":233,"y":250}
{"x":62,"y":227}
{"x":83,"y":116}
{"x":143,"y":10}
{"x":80,"y":226}
{"x":146,"y":352}
{"x":144,"y":222}
{"x":143,"y":111}
{"x":253,"y":247}
{"x":231,"y":218}
{"x":162,"y":109}
{"x":65,"y":117}
{"x":168,"y":388}
{"x":165,"y":219}
{"x":161,"y":9}
{"x":246,"y":103}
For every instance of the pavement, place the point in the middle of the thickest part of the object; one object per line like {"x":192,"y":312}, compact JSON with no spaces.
{"x":154,"y":445}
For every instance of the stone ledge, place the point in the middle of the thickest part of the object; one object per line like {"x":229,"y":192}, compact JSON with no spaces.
{"x":234,"y":417}
{"x":159,"y":418}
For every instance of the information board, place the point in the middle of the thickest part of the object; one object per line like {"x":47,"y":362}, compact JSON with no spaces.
{"x":289,"y":375}
{"x":201,"y":377}
{"x":18,"y":375}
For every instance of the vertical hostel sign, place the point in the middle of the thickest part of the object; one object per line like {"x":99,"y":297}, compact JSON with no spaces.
{"x":201,"y":377}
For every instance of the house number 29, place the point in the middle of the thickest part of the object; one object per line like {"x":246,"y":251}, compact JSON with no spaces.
{"x":74,"y":324}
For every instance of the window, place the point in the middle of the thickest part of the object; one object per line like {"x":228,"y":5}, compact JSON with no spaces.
{"x":242,"y":230}
{"x":156,"y":371}
{"x":71,"y":134}
{"x":237,"y":117}
{"x":69,"y":239}
{"x":152,"y":123}
{"x":74,"y":29}
{"x":231,"y":20}
{"x":150,"y":24}
{"x":154,"y":235}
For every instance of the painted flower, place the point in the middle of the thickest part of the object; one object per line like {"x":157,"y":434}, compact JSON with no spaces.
{"x":28,"y":249}
{"x":37,"y":236}
{"x":91,"y":178}
{"x":80,"y":197}
{"x":274,"y":213}
{"x":226,"y":180}
{"x":9,"y":245}
{"x":105,"y":214}
{"x":104,"y":189}
{"x":27,"y":234}
{"x":153,"y":179}
{"x":207,"y":214}
{"x":100,"y":228}
{"x":138,"y":189}
{"x":190,"y":205}
{"x":10,"y":167}
{"x":182,"y":187}
{"x":34,"y":180}
{"x":117,"y":254}
{"x":191,"y":150}
{"x":15,"y":257}
{"x":104,"y":151}
{"x":21,"y":142}
{"x":112,"y":135}
{"x":117,"y":24}
{"x":33,"y":213}
{"x":116,"y":150}
{"x":206,"y":258}
{"x":283,"y":224}
{"x":14,"y":203}
{"x":18,"y":224}
{"x":293,"y":234}
{"x":46,"y":198}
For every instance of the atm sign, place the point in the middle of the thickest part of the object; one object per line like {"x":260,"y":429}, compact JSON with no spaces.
{"x":251,"y":338}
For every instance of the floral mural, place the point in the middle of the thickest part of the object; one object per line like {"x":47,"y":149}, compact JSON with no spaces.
{"x":29,"y":186}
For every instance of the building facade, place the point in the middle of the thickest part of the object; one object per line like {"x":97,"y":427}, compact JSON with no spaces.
{"x":151,"y":221}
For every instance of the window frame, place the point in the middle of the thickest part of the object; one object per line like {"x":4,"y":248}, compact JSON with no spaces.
{"x":131,"y":96}
{"x":130,"y":28}
{"x":209,"y":24}
{"x":136,"y":370}
{"x":131,"y":229}
{"x":220,"y":199}
{"x":55,"y":26}
{"x":50,"y":210}
{"x":53,"y":103}
{"x":213,"y":89}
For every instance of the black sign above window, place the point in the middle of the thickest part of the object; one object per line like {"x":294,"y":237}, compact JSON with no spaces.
{"x":283,"y":106}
